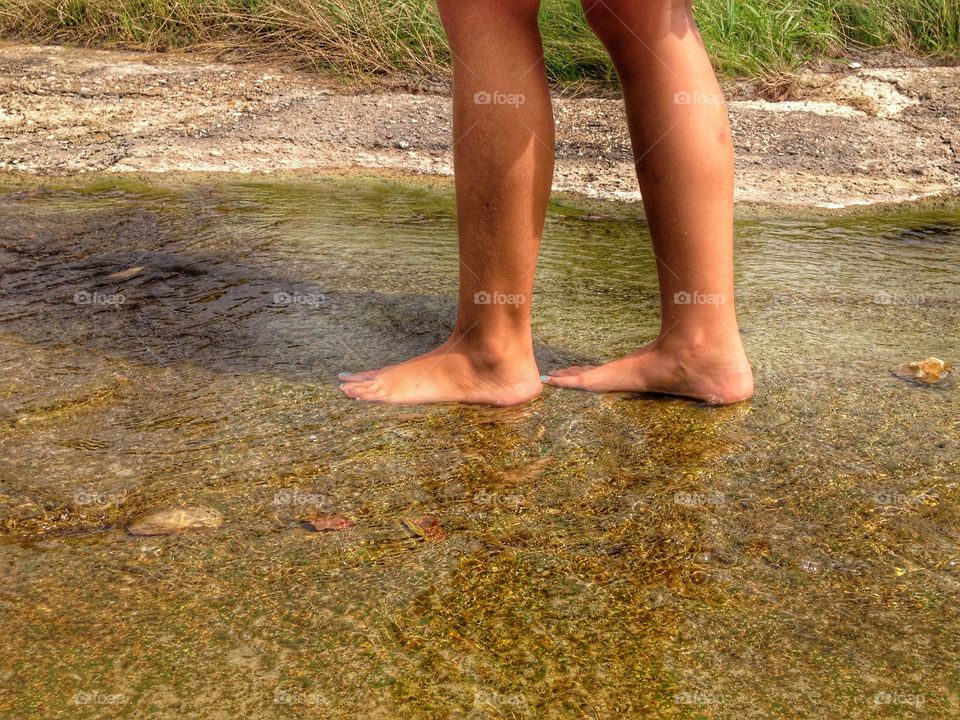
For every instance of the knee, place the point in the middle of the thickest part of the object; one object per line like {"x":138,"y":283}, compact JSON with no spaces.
{"x":455,"y":13}
{"x":619,"y":21}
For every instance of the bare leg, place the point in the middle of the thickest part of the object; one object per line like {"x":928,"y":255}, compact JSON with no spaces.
{"x":684,"y":159}
{"x":503,"y":160}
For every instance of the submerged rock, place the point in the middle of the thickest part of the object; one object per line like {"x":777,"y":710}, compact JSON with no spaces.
{"x":925,"y":372}
{"x":327,"y":523}
{"x":8,"y":416}
{"x":175,"y":520}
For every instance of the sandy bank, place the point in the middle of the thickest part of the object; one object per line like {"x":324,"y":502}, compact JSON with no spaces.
{"x":872,"y":135}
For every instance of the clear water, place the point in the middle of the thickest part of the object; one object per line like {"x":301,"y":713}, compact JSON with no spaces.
{"x":604,"y":556}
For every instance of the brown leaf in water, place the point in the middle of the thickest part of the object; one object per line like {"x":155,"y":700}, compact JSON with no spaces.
{"x":328,"y":523}
{"x":427,"y":527}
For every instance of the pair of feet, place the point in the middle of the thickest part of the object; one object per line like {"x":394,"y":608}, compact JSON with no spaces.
{"x":714,"y":372}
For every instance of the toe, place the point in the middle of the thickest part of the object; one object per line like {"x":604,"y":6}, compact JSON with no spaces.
{"x":574,"y":370}
{"x":361,"y":390}
{"x":372,"y":391}
{"x":348,"y":389}
{"x":569,"y":379}
{"x":357,"y":377}
{"x":605,"y":378}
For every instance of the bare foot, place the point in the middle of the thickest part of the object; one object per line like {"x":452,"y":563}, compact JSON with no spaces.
{"x":718,"y":377}
{"x":452,"y":373}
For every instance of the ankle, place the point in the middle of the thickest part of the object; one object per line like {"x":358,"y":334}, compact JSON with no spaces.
{"x":492,"y":350}
{"x":719,"y":341}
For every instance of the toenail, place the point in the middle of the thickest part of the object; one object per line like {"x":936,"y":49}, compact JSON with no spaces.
{"x":544,"y":378}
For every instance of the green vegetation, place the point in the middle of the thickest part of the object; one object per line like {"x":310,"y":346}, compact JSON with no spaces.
{"x":364,"y":38}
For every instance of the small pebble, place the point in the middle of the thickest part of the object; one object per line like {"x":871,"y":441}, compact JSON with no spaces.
{"x":924,"y":372}
{"x":125,"y":274}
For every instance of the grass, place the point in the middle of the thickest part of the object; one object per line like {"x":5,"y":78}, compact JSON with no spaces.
{"x":370,"y":38}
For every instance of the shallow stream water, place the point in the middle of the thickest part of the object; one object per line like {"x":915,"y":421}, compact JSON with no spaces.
{"x":601,"y":556}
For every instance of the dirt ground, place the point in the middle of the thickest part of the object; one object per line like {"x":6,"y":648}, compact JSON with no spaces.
{"x":863,"y":136}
